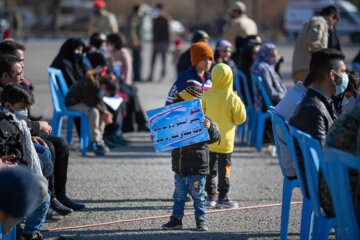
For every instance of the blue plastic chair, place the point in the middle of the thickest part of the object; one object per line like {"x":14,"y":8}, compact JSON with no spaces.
{"x":279,"y":128}
{"x":338,"y":163}
{"x":260,"y":117}
{"x":241,"y":128}
{"x":10,"y":236}
{"x":313,"y":157}
{"x":58,"y":92}
{"x":307,"y":209}
{"x":250,"y":117}
{"x":356,"y":67}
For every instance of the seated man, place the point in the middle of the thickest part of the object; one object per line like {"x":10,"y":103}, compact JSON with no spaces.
{"x":86,"y":96}
{"x":314,"y":115}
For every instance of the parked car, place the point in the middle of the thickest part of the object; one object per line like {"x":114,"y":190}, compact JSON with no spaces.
{"x":296,"y":13}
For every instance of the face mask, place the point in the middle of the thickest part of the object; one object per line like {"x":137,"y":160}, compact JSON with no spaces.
{"x":21,"y":114}
{"x":101,"y":94}
{"x":345,"y":81}
{"x":272,"y":61}
{"x":78,"y":57}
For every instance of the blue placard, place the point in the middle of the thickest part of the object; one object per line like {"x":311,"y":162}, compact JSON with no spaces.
{"x":177,"y":125}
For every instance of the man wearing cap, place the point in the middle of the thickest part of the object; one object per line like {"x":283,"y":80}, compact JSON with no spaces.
{"x":185,"y":58}
{"x":239,"y":24}
{"x":198,"y":74}
{"x":313,"y":36}
{"x":103,"y":21}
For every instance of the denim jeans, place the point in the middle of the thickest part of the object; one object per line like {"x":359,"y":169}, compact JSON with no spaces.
{"x":46,"y":163}
{"x":195,"y":185}
{"x":37,"y":218}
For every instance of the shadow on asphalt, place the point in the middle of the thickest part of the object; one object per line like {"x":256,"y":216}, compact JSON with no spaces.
{"x":152,"y":234}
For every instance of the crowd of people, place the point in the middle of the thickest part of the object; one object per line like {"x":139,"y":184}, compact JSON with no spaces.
{"x":322,"y":103}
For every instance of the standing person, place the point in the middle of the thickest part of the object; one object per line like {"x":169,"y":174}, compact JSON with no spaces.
{"x":313,"y":36}
{"x":103,"y":21}
{"x":191,"y":165}
{"x":239,"y":24}
{"x":225,"y":108}
{"x":161,"y":39}
{"x":134,"y":22}
{"x":198,"y":74}
{"x":185,"y":58}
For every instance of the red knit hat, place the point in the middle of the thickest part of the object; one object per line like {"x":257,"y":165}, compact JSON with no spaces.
{"x":200,"y":51}
{"x":99,"y":3}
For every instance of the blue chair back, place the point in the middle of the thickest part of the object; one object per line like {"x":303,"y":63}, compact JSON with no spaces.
{"x":298,"y":135}
{"x":58,"y":88}
{"x":243,"y":80}
{"x":237,"y":86}
{"x":339,"y":163}
{"x":281,"y":133}
{"x":314,"y":162}
{"x":256,"y":80}
{"x":356,"y":67}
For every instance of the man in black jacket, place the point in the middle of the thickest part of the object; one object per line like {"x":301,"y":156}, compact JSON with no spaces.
{"x":315,"y":114}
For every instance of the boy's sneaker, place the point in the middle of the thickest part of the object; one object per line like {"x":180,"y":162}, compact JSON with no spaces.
{"x":173,"y":224}
{"x":201,"y":225}
{"x":226,"y":202}
{"x":211,"y":200}
{"x":34,"y":236}
{"x":98,"y":149}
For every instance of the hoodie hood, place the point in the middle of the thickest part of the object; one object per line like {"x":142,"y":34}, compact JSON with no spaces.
{"x":222,"y":78}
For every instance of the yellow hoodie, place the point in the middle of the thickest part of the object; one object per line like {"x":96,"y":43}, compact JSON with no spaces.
{"x":224,"y":107}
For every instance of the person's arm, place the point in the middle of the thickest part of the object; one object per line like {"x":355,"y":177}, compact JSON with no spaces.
{"x":238,"y":111}
{"x":315,"y":35}
{"x":113,"y":23}
{"x":213,"y":132}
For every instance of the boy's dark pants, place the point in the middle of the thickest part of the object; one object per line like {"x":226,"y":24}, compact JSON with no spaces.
{"x":219,"y":163}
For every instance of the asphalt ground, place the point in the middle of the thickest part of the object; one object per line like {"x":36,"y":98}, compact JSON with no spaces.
{"x":135,"y":182}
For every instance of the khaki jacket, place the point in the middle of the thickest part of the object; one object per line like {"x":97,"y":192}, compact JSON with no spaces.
{"x":105,"y":23}
{"x":241,"y":26}
{"x":313,"y":36}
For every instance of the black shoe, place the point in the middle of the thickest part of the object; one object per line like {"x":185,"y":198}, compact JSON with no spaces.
{"x":173,"y":224}
{"x":71,"y":204}
{"x":34,"y":236}
{"x":52,"y":216}
{"x":201,"y":225}
{"x":98,"y":149}
{"x":59,"y":208}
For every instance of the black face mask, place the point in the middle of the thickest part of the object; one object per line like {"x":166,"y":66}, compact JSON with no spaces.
{"x":78,"y":57}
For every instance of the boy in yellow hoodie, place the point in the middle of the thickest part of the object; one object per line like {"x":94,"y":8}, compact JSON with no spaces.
{"x":226,"y":109}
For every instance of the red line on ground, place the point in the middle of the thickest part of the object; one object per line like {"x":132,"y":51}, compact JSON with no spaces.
{"x":165,"y":216}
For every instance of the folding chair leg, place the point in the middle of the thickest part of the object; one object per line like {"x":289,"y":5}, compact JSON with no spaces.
{"x":306,"y":219}
{"x":322,"y":228}
{"x":56,"y":125}
{"x":84,"y":129}
{"x":70,"y":123}
{"x":260,"y":132}
{"x":285,"y":208}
